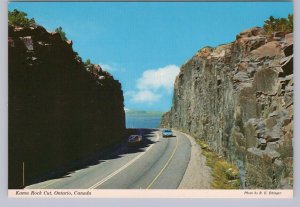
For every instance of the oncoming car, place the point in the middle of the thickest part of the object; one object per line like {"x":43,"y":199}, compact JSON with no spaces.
{"x":167,"y":133}
{"x":134,"y":140}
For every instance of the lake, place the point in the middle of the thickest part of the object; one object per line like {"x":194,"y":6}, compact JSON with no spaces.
{"x":142,"y":121}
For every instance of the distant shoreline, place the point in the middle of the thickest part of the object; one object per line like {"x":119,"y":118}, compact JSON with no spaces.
{"x":141,"y":113}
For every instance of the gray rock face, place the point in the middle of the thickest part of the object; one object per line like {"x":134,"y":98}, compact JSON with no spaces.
{"x":239,"y":98}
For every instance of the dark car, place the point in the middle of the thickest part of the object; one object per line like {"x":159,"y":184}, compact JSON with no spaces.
{"x":167,"y":133}
{"x":134,"y":140}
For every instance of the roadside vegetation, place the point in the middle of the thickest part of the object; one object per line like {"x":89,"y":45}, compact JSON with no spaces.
{"x":279,"y":24}
{"x":225,"y":175}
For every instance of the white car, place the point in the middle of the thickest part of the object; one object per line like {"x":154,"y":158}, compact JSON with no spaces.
{"x":167,"y":133}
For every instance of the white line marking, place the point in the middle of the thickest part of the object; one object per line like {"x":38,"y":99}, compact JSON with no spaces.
{"x":123,"y":167}
{"x":48,"y":183}
{"x":167,"y":163}
{"x":51,"y":183}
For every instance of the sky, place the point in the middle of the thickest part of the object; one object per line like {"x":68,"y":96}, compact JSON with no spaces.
{"x":144,"y":44}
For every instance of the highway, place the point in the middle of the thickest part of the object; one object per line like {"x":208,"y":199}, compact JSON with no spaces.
{"x":159,"y":163}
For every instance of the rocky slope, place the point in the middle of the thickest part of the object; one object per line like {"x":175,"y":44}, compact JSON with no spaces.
{"x":59,"y":108}
{"x":239,"y":98}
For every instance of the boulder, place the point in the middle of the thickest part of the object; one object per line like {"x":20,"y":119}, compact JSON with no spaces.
{"x":27,"y":42}
{"x":287,"y":66}
{"x":273,"y":155}
{"x":289,"y":38}
{"x":268,"y":50}
{"x":265,"y":80}
{"x":255,"y":31}
{"x":288,"y":50}
{"x":240,"y":77}
{"x":279,"y":34}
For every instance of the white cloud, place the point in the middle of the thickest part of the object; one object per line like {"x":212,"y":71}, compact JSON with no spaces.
{"x":154,"y":84}
{"x":161,"y":78}
{"x":112,"y":67}
{"x":143,"y":96}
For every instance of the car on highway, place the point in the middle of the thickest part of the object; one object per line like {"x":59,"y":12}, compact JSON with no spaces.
{"x":167,"y":133}
{"x":134,"y":140}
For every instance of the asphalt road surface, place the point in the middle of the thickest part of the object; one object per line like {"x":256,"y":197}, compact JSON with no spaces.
{"x":159,"y":163}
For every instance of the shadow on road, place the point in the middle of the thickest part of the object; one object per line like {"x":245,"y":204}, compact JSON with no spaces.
{"x":114,"y":152}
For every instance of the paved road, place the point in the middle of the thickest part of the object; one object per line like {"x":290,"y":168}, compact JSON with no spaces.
{"x":159,"y":163}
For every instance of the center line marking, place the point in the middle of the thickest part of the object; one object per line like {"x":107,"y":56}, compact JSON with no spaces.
{"x":123,"y":167}
{"x":167,"y":163}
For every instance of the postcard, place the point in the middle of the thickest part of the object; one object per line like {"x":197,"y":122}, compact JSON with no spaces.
{"x":150,"y":99}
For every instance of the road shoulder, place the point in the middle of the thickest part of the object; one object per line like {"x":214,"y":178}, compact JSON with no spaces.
{"x":197,"y":174}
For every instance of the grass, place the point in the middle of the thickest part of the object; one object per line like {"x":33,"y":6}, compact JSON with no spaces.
{"x":225,"y":174}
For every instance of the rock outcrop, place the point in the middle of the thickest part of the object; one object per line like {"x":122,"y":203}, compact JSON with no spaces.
{"x":59,"y":108}
{"x":239,"y":98}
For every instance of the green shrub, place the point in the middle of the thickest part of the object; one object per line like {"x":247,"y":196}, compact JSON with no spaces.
{"x":19,"y":18}
{"x":61,"y":33}
{"x":87,"y":62}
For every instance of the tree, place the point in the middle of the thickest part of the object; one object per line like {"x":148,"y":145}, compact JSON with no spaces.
{"x":279,"y":24}
{"x":19,"y":18}
{"x":61,"y":33}
{"x":291,"y":22}
{"x":87,"y":62}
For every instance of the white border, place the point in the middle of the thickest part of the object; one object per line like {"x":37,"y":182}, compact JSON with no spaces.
{"x":10,"y":202}
{"x":71,"y":193}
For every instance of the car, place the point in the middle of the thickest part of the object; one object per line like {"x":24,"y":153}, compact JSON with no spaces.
{"x":134,"y":140}
{"x":167,"y":133}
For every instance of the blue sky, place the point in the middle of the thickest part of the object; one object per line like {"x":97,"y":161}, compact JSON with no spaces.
{"x":144,"y":44}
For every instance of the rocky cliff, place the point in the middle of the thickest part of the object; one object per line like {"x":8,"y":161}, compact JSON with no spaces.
{"x":60,"y":109}
{"x":239,"y":98}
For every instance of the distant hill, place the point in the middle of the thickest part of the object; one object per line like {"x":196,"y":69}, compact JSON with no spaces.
{"x":132,"y":112}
